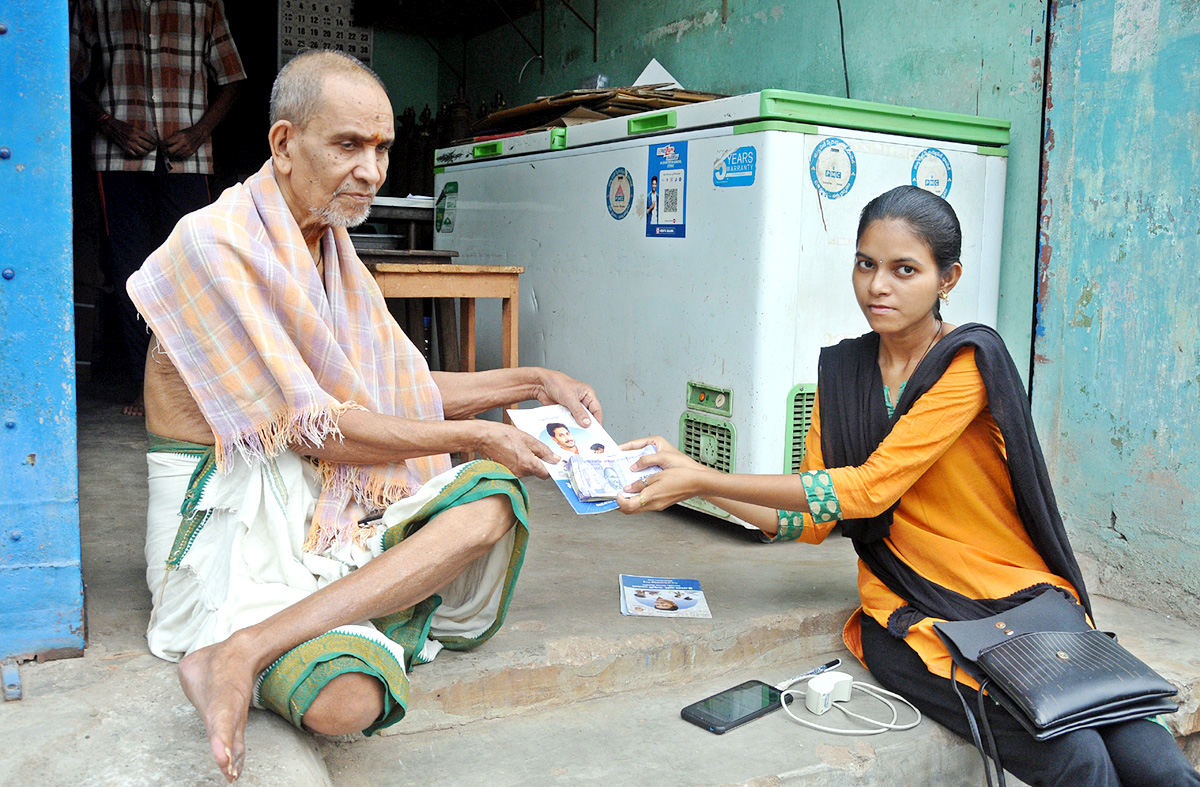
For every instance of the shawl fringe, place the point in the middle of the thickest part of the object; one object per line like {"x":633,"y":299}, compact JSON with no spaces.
{"x":313,"y":425}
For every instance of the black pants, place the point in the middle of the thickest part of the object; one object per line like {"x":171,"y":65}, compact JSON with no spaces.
{"x":141,"y":209}
{"x":1130,"y":754}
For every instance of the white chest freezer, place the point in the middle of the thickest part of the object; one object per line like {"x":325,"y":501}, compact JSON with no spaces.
{"x":690,"y":263}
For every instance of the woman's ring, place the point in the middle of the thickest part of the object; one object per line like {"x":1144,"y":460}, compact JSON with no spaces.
{"x":641,"y":500}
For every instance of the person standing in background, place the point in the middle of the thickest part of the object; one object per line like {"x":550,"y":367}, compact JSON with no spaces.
{"x":141,"y":73}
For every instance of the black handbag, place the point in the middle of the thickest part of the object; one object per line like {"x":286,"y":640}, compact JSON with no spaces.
{"x":1053,"y":672}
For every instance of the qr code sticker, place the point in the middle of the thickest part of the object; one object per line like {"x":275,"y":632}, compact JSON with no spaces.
{"x":671,"y":201}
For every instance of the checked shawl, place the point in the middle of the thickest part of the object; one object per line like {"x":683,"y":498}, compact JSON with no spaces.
{"x":273,"y":356}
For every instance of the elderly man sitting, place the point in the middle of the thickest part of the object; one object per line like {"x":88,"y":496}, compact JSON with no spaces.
{"x":308,"y":539}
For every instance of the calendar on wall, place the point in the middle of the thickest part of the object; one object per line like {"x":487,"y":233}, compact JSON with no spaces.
{"x":308,"y":24}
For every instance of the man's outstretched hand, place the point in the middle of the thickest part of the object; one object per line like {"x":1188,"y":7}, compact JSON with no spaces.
{"x":522,"y":454}
{"x":579,"y":398}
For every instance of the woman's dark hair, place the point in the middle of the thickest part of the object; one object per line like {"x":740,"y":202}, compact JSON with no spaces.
{"x":927,"y":215}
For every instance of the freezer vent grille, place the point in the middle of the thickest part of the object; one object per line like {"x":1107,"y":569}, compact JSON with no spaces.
{"x":800,"y":403}
{"x":710,"y":441}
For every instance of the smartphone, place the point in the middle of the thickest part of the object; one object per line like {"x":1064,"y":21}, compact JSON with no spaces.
{"x":733,"y":707}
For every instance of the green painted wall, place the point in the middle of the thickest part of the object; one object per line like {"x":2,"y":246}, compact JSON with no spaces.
{"x":409,"y":68}
{"x":1117,"y":380}
{"x":978,"y":57}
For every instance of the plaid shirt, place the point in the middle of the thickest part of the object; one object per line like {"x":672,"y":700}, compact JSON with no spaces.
{"x":154,"y":59}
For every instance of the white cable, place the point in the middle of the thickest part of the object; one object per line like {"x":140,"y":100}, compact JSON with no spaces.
{"x":874,"y":691}
{"x":812,"y":673}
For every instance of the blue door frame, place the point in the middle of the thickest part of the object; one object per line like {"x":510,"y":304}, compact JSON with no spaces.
{"x":41,"y":585}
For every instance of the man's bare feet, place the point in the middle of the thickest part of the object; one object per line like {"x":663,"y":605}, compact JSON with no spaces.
{"x":219,"y":681}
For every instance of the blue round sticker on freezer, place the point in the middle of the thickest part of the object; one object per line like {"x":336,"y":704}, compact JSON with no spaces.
{"x":832,"y":168}
{"x":931,"y":171}
{"x":619,"y":193}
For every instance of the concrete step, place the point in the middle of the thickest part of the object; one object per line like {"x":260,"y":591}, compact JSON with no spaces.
{"x":120,"y":718}
{"x":571,"y":692}
{"x":565,"y":639}
{"x":1169,"y":645}
{"x":638,"y":738}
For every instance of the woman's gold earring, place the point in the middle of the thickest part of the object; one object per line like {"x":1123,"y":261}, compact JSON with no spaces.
{"x":943,"y":296}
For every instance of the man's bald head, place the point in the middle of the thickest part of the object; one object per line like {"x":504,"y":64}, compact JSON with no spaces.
{"x":296,"y":94}
{"x":331,"y":131}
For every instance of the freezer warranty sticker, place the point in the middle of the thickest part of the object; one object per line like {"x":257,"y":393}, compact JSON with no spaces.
{"x":620,"y":193}
{"x":736,"y":169}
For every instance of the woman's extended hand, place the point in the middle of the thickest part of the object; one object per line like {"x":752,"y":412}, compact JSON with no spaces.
{"x":681,"y":477}
{"x":667,"y":455}
{"x":656,"y":492}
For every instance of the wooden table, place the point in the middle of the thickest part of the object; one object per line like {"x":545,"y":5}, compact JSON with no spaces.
{"x":465,"y":282}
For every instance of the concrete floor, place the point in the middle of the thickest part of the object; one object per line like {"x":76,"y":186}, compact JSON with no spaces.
{"x":568,"y":692}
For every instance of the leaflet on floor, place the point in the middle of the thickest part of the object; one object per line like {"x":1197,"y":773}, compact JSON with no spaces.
{"x":662,"y":597}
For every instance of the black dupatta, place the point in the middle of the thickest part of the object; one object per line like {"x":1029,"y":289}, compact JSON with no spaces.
{"x":854,"y":421}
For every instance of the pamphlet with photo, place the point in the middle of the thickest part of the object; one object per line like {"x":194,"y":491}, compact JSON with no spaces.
{"x":662,"y":597}
{"x":594,"y":471}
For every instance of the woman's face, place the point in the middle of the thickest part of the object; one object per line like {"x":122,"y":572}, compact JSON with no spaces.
{"x":896,"y":279}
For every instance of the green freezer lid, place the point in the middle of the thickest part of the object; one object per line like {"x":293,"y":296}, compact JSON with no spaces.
{"x":785,"y":110}
{"x":505,"y":146}
{"x":781,"y":110}
{"x":884,"y":118}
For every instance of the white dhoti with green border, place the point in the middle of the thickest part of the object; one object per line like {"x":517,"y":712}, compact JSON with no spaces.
{"x":224,"y":551}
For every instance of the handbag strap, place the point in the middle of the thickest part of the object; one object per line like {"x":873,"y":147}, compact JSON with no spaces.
{"x":995,"y":754}
{"x":987,"y":730}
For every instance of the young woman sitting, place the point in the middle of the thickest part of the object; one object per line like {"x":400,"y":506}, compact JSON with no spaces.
{"x":922,"y":447}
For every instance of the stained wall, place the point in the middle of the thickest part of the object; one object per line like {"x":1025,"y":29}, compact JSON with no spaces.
{"x":1116,"y":382}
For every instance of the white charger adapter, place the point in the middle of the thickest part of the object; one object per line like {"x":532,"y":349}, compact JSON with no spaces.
{"x":829,"y":689}
{"x":825,"y":689}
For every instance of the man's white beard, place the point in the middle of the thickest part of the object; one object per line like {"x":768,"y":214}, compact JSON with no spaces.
{"x":333,"y":216}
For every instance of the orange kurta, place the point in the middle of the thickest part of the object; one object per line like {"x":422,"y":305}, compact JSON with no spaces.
{"x":957,"y":522}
